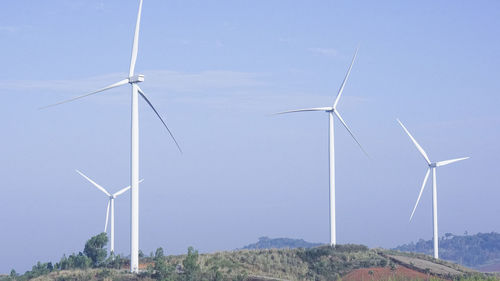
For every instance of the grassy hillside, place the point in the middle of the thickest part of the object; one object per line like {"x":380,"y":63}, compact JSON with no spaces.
{"x":320,"y":263}
{"x":470,"y":250}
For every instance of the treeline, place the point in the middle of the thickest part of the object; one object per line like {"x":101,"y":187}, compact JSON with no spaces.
{"x":469,"y":250}
{"x":280,"y":243}
{"x":94,"y":256}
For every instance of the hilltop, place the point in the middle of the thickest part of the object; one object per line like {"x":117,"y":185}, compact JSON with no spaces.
{"x":323,"y":263}
{"x":346,"y":262}
{"x":481,"y":251}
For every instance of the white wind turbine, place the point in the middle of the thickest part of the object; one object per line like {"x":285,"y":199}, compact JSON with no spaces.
{"x":331,"y":112}
{"x":432,"y":166}
{"x":133,"y":80}
{"x":110,"y":209}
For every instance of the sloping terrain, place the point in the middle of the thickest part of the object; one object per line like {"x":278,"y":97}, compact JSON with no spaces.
{"x":493,"y":267}
{"x":385,"y":273}
{"x":428,"y":264}
{"x":325,"y":263}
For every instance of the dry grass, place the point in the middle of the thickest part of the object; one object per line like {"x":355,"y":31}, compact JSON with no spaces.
{"x":91,"y":275}
{"x":319,"y":264}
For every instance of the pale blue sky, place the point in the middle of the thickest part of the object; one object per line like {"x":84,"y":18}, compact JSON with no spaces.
{"x":216,"y":70}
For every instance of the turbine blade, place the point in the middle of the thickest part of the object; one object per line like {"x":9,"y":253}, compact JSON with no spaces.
{"x":420,"y":194}
{"x":135,"y":45}
{"x":94,"y":183}
{"x":350,"y":132}
{"x":107,"y":216}
{"x":117,"y":84}
{"x":416,"y":143}
{"x":446,"y":162}
{"x":345,"y":80}
{"x":157,"y":114}
{"x":124,"y":190}
{"x":306,"y":109}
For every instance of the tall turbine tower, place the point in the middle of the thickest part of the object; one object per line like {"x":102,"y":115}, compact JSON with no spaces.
{"x":331,"y":112}
{"x":132,"y":79}
{"x":432,"y":167}
{"x":109,"y":209}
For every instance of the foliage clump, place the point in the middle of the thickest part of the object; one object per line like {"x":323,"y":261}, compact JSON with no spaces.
{"x":94,"y":249}
{"x":338,"y":260}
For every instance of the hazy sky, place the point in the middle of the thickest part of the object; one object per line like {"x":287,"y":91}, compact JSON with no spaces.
{"x":216,"y":70}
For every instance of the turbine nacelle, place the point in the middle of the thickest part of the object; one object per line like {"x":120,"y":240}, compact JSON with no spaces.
{"x":136,"y":79}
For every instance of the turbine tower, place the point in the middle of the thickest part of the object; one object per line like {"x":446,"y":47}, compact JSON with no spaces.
{"x":109,"y":208}
{"x":331,"y":112}
{"x":431,"y":167}
{"x":132,"y":79}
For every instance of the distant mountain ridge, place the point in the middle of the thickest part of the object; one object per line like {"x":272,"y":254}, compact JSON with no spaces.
{"x":280,"y":243}
{"x":470,"y":250}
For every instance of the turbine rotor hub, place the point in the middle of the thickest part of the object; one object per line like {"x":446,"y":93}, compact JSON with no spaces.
{"x":136,"y":79}
{"x":433,"y":165}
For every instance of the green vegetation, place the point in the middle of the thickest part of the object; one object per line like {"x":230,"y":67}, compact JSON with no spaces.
{"x":323,"y":263}
{"x":469,"y":250}
{"x":280,"y":243}
{"x":93,"y":256}
{"x":94,"y":249}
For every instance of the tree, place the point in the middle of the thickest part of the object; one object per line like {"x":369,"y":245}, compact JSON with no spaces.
{"x":38,"y":270}
{"x":77,"y":261}
{"x":190,"y":265}
{"x":94,"y":249}
{"x":162,"y":271}
{"x":116,"y":262}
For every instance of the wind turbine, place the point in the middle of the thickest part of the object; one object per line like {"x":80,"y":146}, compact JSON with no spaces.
{"x":331,"y":112}
{"x":432,"y":167}
{"x":109,"y":208}
{"x":132,"y":79}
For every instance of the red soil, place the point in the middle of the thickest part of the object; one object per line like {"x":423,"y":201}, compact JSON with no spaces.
{"x":384,"y":273}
